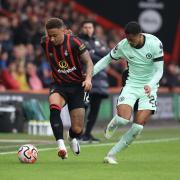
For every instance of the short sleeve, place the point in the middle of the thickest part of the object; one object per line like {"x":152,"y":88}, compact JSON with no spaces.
{"x":79,"y":45}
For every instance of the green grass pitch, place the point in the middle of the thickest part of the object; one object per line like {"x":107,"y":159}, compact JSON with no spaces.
{"x":155,"y":155}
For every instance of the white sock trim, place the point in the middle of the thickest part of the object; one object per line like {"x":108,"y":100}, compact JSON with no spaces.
{"x":121,"y":120}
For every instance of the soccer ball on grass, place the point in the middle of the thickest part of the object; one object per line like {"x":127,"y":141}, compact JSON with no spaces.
{"x":28,"y":153}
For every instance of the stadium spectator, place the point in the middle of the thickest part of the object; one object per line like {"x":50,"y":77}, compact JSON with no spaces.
{"x":171,"y":76}
{"x":97,"y":50}
{"x":66,"y":54}
{"x":32,"y":78}
{"x":3,"y":59}
{"x":45,"y":74}
{"x":21,"y":76}
{"x":8,"y":77}
{"x":2,"y":87}
{"x":145,"y":71}
{"x":5,"y":34}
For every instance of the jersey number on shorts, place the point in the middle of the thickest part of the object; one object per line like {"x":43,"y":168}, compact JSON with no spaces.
{"x":153,"y":101}
{"x":86,"y":97}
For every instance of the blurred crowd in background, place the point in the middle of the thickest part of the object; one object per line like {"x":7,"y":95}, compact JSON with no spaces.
{"x":23,"y":65}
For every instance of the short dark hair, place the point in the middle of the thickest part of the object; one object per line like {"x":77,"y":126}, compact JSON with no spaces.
{"x":88,"y":21}
{"x":132,"y":28}
{"x":54,"y":23}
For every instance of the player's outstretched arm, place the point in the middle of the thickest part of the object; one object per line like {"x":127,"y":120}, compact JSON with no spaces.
{"x":158,"y":73}
{"x":101,"y":64}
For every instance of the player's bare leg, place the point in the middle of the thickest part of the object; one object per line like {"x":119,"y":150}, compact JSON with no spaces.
{"x":77,"y":123}
{"x":142,"y":116}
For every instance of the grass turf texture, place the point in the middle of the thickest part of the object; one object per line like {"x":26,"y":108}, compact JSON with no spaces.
{"x":155,"y":155}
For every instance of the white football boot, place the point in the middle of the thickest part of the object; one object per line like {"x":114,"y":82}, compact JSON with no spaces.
{"x":110,"y":160}
{"x":74,"y":145}
{"x":62,"y":151}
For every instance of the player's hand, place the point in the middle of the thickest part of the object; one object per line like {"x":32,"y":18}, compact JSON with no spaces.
{"x":147,"y":90}
{"x":87,"y":85}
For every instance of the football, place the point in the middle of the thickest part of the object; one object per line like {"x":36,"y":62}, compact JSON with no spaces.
{"x":28,"y":153}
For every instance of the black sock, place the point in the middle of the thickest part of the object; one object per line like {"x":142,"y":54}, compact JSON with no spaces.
{"x":74,"y":135}
{"x":56,"y":121}
{"x":94,"y":106}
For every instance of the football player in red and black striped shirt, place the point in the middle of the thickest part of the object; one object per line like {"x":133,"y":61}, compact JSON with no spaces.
{"x":67,"y":56}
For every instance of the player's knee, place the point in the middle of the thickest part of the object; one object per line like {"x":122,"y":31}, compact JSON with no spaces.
{"x":75,"y":132}
{"x":124,"y":116}
{"x":140,"y":122}
{"x":124,"y":111}
{"x":77,"y":129}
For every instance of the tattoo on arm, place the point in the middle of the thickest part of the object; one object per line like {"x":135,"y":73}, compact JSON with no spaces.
{"x":85,"y":57}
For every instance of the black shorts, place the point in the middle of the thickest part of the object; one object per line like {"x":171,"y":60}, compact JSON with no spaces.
{"x":73,"y":94}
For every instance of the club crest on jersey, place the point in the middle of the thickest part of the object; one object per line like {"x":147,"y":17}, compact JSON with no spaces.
{"x":63,"y":64}
{"x":121,"y":99}
{"x":148,"y":55}
{"x":51,"y":54}
{"x":66,"y":52}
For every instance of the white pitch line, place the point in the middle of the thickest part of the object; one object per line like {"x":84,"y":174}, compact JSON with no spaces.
{"x":22,"y":140}
{"x":14,"y":140}
{"x":108,"y":144}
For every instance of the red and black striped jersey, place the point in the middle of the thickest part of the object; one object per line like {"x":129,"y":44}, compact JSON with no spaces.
{"x":64,"y":59}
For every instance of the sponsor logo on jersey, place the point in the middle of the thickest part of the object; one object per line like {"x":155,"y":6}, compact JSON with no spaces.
{"x":67,"y":71}
{"x":63,"y":64}
{"x":64,"y":67}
